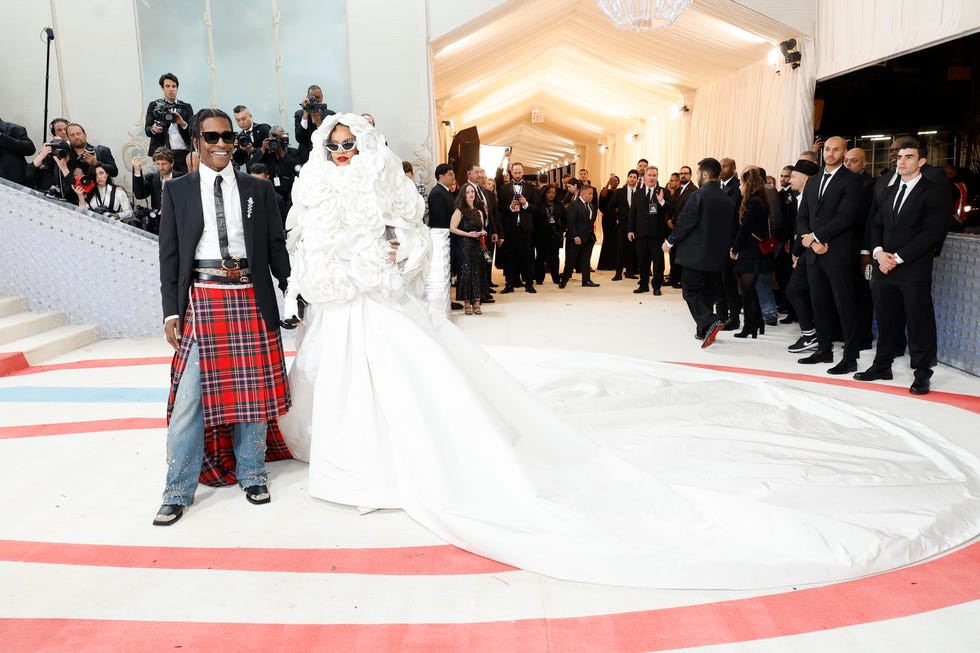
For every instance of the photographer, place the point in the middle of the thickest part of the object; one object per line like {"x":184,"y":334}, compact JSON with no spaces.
{"x":308,"y":119}
{"x":99,"y":194}
{"x":151,"y":185}
{"x":281,"y":162}
{"x":167,"y":121}
{"x":59,"y":128}
{"x":84,"y":156}
{"x":250,"y":138}
{"x":49,"y":171}
{"x":14,"y":146}
{"x":260,"y":171}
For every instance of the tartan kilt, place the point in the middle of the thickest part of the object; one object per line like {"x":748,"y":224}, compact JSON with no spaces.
{"x":243,"y":374}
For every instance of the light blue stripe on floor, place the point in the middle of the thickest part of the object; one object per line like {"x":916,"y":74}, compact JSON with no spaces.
{"x":83,"y":395}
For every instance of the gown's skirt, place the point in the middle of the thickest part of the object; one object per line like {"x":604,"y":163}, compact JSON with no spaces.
{"x":613,"y":470}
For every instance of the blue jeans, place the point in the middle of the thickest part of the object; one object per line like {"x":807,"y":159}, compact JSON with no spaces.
{"x":185,"y":441}
{"x":763,"y":288}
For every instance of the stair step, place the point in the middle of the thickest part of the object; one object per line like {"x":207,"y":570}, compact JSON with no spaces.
{"x":23,"y":325}
{"x":12,"y":306}
{"x":49,"y":344}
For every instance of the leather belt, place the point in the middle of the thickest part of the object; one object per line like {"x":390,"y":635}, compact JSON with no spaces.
{"x":222,"y":264}
{"x":237,"y":280}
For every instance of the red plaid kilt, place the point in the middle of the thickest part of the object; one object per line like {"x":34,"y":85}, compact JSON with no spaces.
{"x":243,"y":374}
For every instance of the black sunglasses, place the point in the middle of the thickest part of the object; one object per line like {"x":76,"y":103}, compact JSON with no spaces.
{"x":212,"y":137}
{"x":346,"y":146}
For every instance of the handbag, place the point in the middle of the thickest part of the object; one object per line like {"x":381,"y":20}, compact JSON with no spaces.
{"x":483,"y":246}
{"x":770,"y":244}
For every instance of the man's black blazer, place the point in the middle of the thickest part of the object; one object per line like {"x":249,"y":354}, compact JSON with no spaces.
{"x":181,"y":226}
{"x":831,"y":218}
{"x":620,"y":205}
{"x":260,"y":132}
{"x":102,"y":154}
{"x":507,"y":217}
{"x":706,"y":228}
{"x":678,"y":199}
{"x":150,"y":185}
{"x":163,"y":139}
{"x":441,"y":207}
{"x":15,"y":144}
{"x":915,"y":233}
{"x":644,"y":224}
{"x":578,"y":222}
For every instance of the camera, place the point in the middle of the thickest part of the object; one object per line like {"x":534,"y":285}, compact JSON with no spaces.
{"x":90,"y":149}
{"x":147,"y":219}
{"x":242,"y":139}
{"x":277,"y":142}
{"x":312,"y":106}
{"x":86,"y":182}
{"x":59,"y":149}
{"x":163,"y":112}
{"x":101,"y":210}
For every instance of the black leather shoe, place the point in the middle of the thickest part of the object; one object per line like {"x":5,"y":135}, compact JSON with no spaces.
{"x":455,"y":306}
{"x":789,"y":319}
{"x":817,"y":357}
{"x":657,"y":292}
{"x":488,"y":300}
{"x":874,"y":374}
{"x":562,"y":283}
{"x":844,"y":367}
{"x":257,"y":494}
{"x":168,"y":514}
{"x":618,"y":277}
{"x":732,"y":325}
{"x":492,"y":291}
{"x":771,"y":320}
{"x":640,"y":291}
{"x":675,"y":285}
{"x":920,"y":387}
{"x":632,"y":276}
{"x":530,"y":289}
{"x":493,"y":285}
{"x":507,"y":289}
{"x":589,"y":284}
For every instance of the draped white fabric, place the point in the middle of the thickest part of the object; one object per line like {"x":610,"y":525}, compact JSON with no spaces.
{"x":853,"y":34}
{"x":755,"y":116}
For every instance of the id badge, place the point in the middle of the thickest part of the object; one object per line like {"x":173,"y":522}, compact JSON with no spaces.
{"x":276,"y":182}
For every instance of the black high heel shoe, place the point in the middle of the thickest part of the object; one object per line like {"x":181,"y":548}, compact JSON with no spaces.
{"x":751,"y":329}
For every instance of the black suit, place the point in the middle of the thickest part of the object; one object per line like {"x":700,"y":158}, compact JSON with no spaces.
{"x":625,"y":250}
{"x":163,"y":138}
{"x":102,"y":154}
{"x":181,"y":226}
{"x":705,"y":229}
{"x":580,"y":223}
{"x":648,"y":224}
{"x":903,"y":297}
{"x":519,"y":233}
{"x":675,"y":204}
{"x":282,"y":171}
{"x":304,"y":134}
{"x":257,"y":133}
{"x":150,"y":185}
{"x":15,"y":144}
{"x":441,"y":207}
{"x":549,"y":230}
{"x":831,"y":218}
{"x":729,"y":300}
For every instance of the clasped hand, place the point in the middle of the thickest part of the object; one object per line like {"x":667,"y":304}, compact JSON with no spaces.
{"x":886,"y":261}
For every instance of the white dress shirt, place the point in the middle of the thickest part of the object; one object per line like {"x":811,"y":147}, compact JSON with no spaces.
{"x":208,"y":247}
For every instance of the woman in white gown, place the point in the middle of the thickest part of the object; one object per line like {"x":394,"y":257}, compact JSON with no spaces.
{"x":615,"y":471}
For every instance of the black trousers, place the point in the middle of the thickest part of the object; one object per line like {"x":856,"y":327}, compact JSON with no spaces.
{"x":625,"y":251}
{"x":521,"y":263}
{"x":729,"y":303}
{"x":578,"y":257}
{"x":900,"y":307}
{"x":864,"y":307}
{"x":546,"y":259}
{"x":676,"y":270}
{"x":832,"y":285}
{"x":650,"y":251}
{"x":782,"y":270}
{"x":798,"y":295}
{"x":699,"y":289}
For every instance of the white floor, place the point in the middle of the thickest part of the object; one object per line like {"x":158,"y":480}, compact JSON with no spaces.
{"x":81,"y":568}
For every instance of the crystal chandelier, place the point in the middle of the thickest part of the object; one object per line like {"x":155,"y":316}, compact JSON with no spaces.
{"x":643,"y":15}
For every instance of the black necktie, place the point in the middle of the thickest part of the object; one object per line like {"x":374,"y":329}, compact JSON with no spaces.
{"x":219,"y":214}
{"x":899,"y":198}
{"x":823,"y":184}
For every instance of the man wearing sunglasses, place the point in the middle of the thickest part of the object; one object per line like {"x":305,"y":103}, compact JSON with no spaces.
{"x":221,"y":241}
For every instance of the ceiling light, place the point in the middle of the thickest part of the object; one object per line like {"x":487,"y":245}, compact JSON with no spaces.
{"x":872,"y":136}
{"x":927,"y":133}
{"x":643,"y":15}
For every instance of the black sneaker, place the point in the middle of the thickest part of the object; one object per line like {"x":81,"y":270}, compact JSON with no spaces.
{"x":805,"y":343}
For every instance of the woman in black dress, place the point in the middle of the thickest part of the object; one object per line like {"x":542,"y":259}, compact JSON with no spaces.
{"x":549,"y":231}
{"x":471,"y":278}
{"x":607,"y":254}
{"x":754,"y":227}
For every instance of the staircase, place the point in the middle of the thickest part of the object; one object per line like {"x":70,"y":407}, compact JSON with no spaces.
{"x":28,"y":338}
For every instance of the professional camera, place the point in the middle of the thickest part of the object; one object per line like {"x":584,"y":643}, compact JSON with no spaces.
{"x":312,"y":106}
{"x":242,"y":139}
{"x":101,"y":210}
{"x":86,"y":183}
{"x":147,"y":219}
{"x":60,"y":149}
{"x":275,"y":143}
{"x":163,"y":112}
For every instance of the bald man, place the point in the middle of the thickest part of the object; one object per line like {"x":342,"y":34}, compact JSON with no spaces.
{"x":826,"y":222}
{"x":856,"y":161}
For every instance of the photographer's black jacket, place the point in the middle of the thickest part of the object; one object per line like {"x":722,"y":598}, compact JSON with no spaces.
{"x":162,"y":139}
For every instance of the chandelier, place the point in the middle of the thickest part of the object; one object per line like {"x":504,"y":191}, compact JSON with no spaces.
{"x":643,"y":15}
